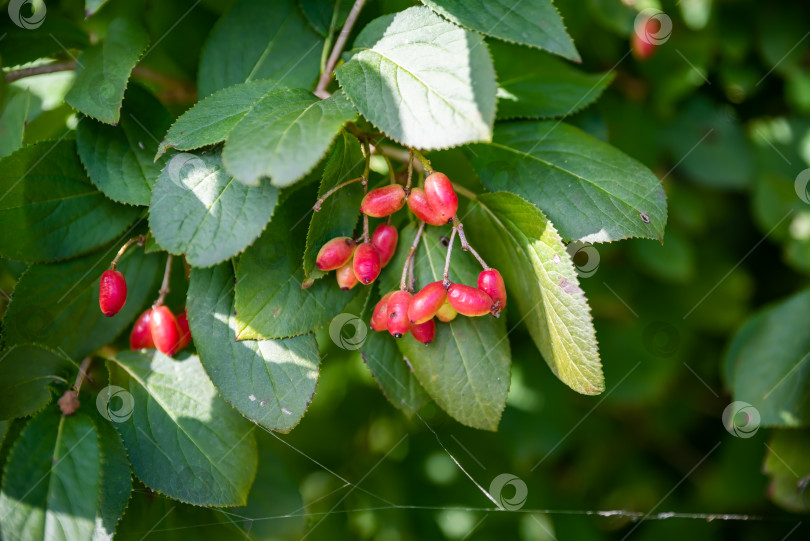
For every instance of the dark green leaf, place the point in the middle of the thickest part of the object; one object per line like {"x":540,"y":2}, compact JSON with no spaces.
{"x":326,"y":16}
{"x":116,"y":478}
{"x":27,"y":374}
{"x":12,"y":121}
{"x":788,"y":464}
{"x":42,"y":34}
{"x":392,"y":373}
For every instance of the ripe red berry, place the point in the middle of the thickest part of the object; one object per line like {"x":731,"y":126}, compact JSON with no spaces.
{"x":446,"y":313}
{"x":141,"y":335}
{"x":366,"y":263}
{"x":642,"y":41}
{"x":491,"y":282}
{"x":335,"y":253}
{"x":185,"y":332}
{"x":424,"y":332}
{"x":418,"y":203}
{"x":384,"y":201}
{"x":379,"y":318}
{"x":398,"y":323}
{"x":427,"y":302}
{"x":384,"y":240}
{"x":345,"y":276}
{"x":469,"y":301}
{"x":165,"y":331}
{"x":112,"y":292}
{"x":441,"y":196}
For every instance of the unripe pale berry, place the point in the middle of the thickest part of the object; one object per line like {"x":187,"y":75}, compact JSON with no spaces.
{"x":112,"y":292}
{"x":185,"y":332}
{"x":335,"y":253}
{"x":141,"y":335}
{"x":383,"y":201}
{"x":345,"y":276}
{"x":441,"y":196}
{"x":446,"y":313}
{"x":427,"y":302}
{"x":469,"y":301}
{"x":366,"y":263}
{"x":384,"y":240}
{"x":425,"y":331}
{"x":418,"y":203}
{"x":491,"y":282}
{"x":165,"y":332}
{"x":398,"y":323}
{"x":379,"y":318}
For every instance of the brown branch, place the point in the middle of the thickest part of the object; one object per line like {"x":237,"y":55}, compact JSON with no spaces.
{"x":340,"y":42}
{"x":53,"y":67}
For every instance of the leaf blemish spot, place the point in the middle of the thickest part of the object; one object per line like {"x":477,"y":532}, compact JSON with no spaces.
{"x":644,"y":217}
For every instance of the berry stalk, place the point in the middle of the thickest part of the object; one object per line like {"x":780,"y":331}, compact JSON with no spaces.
{"x":164,"y":287}
{"x":366,"y":173}
{"x":446,"y":276}
{"x":140,"y":239}
{"x":466,"y":245}
{"x":317,"y":206}
{"x":411,"y":251}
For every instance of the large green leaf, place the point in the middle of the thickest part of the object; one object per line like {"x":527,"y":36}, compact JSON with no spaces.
{"x":260,"y":40}
{"x":116,"y":477}
{"x":284,"y":135}
{"x":271,"y":382}
{"x":339,"y":213}
{"x":27,"y":373}
{"x":536,"y":23}
{"x":103,"y":71}
{"x":542,"y":282}
{"x":588,"y":189}
{"x":393,"y":373}
{"x":212,"y":119}
{"x":57,"y":305}
{"x":778,"y":388}
{"x":534,"y":84}
{"x":423,"y":81}
{"x":182,"y":438}
{"x":45,"y":33}
{"x":49,"y":210}
{"x":270,"y":302}
{"x":198,"y":209}
{"x":12,"y":120}
{"x":119,"y":159}
{"x":788,"y":465}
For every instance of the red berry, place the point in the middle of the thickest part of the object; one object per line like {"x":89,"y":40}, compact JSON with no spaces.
{"x":379,"y":318}
{"x":185,"y":332}
{"x":426,"y":302}
{"x":469,"y":301}
{"x":384,"y":240}
{"x":345,"y":276}
{"x":165,"y":331}
{"x":141,"y":335}
{"x":366,"y":263}
{"x":418,"y":203}
{"x":383,"y":201}
{"x":446,"y":313}
{"x":642,"y":41}
{"x":441,"y":196}
{"x":424,"y":332}
{"x":398,"y":323}
{"x":491,"y":282}
{"x":335,"y":253}
{"x":112,"y":292}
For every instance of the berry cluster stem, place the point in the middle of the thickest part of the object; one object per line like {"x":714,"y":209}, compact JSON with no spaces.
{"x":425,"y":162}
{"x":409,"y":259}
{"x":446,"y":276}
{"x":317,"y":206}
{"x":164,"y":287}
{"x":410,"y":175}
{"x":334,"y":56}
{"x":366,"y":173}
{"x":140,"y":239}
{"x":466,"y":245}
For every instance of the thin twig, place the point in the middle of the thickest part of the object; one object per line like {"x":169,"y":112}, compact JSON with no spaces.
{"x":317,"y":206}
{"x":366,"y":173}
{"x":466,"y":245}
{"x":69,"y":401}
{"x":410,"y":175}
{"x":53,"y":67}
{"x":411,"y":251}
{"x":80,"y":377}
{"x":140,"y":239}
{"x":340,"y":42}
{"x":164,"y":287}
{"x":446,"y":276}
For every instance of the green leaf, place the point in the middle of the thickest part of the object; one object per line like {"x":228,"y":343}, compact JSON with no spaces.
{"x":12,"y":120}
{"x":284,"y":136}
{"x":116,"y":477}
{"x":260,"y":40}
{"x":57,"y":305}
{"x":199,"y":210}
{"x":270,"y":302}
{"x":778,"y":388}
{"x":50,"y":209}
{"x":534,"y":84}
{"x":419,"y":93}
{"x":52,"y":482}
{"x":392,"y":373}
{"x":339,"y":213}
{"x":326,"y":16}
{"x":536,"y":23}
{"x":588,"y":189}
{"x":27,"y":374}
{"x":103,"y":71}
{"x":271,"y":382}
{"x":182,"y":438}
{"x":118,"y":159}
{"x":789,"y":467}
{"x":212,"y":119}
{"x":542,"y":283}
{"x":39,"y":36}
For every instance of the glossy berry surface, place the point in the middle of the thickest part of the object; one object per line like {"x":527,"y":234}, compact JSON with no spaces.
{"x":469,"y":301}
{"x":335,"y":253}
{"x":426,"y":302}
{"x":379,"y":318}
{"x":141,"y":335}
{"x":491,"y":282}
{"x":385,"y":239}
{"x":383,"y":201}
{"x":366,"y":263}
{"x":346,"y":278}
{"x":165,"y":332}
{"x":398,"y":323}
{"x":112,"y":292}
{"x":185,"y":332}
{"x":446,"y":313}
{"x":425,"y":331}
{"x":418,"y":204}
{"x":441,"y":196}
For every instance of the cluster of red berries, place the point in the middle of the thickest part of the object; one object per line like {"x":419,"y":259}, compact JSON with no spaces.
{"x":400,"y":312}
